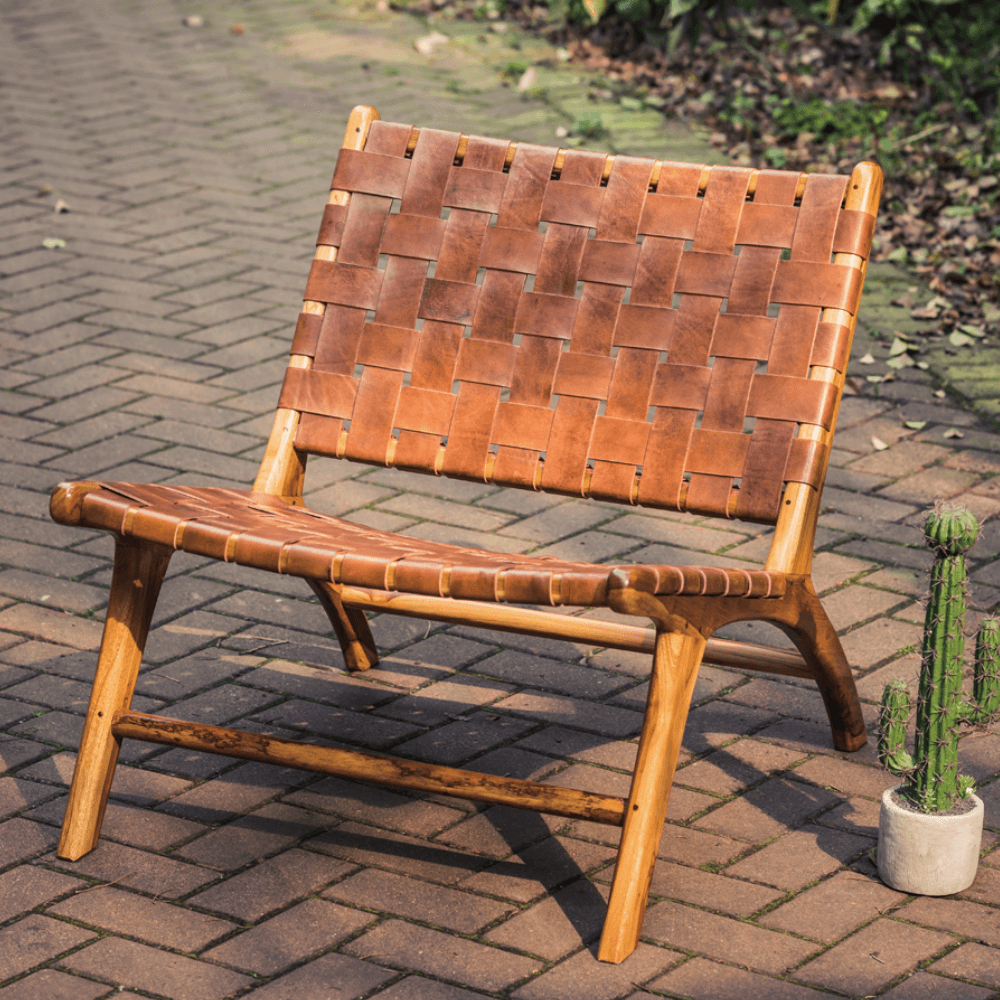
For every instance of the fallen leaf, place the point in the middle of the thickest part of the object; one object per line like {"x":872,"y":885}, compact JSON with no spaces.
{"x":899,"y":346}
{"x":878,"y":444}
{"x":957,"y":339}
{"x":953,"y":432}
{"x":193,"y":21}
{"x":915,"y":425}
{"x":428,"y":43}
{"x":43,"y":191}
{"x":528,"y":79}
{"x":52,"y":243}
{"x":940,"y":393}
{"x":60,"y":206}
{"x":868,"y":359}
{"x":901,"y":361}
{"x":237,"y":28}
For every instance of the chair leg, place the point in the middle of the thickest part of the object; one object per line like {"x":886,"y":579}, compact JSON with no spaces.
{"x":671,"y":685}
{"x":817,"y":641}
{"x":135,"y":586}
{"x":350,"y":626}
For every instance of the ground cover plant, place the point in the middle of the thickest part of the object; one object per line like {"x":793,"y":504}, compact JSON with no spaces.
{"x":912,"y":84}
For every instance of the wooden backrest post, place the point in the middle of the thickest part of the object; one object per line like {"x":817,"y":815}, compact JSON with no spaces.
{"x":795,"y":532}
{"x":283,"y":467}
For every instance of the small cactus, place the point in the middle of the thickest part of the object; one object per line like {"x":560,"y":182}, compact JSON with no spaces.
{"x":933,"y":783}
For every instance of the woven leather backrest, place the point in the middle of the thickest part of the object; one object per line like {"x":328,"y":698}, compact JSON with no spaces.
{"x":617,"y":328}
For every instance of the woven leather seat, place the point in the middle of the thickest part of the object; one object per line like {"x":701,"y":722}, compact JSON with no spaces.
{"x":633,"y":331}
{"x":255,"y":529}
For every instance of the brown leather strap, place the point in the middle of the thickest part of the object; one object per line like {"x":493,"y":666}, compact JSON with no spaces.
{"x":577,"y":331}
{"x":254,"y":529}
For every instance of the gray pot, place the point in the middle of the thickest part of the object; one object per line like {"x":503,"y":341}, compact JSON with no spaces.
{"x":929,"y":854}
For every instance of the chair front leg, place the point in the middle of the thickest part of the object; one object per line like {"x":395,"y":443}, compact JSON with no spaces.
{"x":671,"y":685}
{"x":135,"y":585}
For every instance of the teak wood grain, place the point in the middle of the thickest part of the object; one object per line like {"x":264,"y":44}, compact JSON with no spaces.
{"x":713,"y":389}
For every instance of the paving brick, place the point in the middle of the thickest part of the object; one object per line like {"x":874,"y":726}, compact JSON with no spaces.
{"x":768,"y":810}
{"x":500,"y":831}
{"x":365,"y":845}
{"x":376,"y":806}
{"x":16,"y":794}
{"x":700,"y":979}
{"x":405,"y":897}
{"x":985,"y":888}
{"x":716,"y":723}
{"x":583,"y":975}
{"x":873,"y":957}
{"x":53,"y":985}
{"x":338,"y":723}
{"x":262,"y":833}
{"x":147,"y":919}
{"x":924,"y":986}
{"x":831,"y":909}
{"x":156,"y":971}
{"x":801,"y":857}
{"x":844,"y":776}
{"x":522,"y":668}
{"x":865,"y":506}
{"x":128,"y":868}
{"x":239,"y":790}
{"x":880,"y":640}
{"x":21,"y":839}
{"x":438,"y":954}
{"x":26,"y":887}
{"x":971,"y":961}
{"x":729,"y":770}
{"x":286,"y":939}
{"x":710,"y":890}
{"x":781,"y":697}
{"x":542,"y":707}
{"x":330,"y":977}
{"x":526,"y":875}
{"x":418,"y":988}
{"x":982,"y":923}
{"x":444,"y":700}
{"x":929,"y":485}
{"x":558,"y":924}
{"x":34,"y":940}
{"x":680,"y":926}
{"x":270,"y":885}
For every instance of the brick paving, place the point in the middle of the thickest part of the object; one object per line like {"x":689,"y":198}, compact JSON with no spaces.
{"x":150,"y":345}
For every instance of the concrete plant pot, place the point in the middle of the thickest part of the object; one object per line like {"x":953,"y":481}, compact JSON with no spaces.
{"x":929,"y":854}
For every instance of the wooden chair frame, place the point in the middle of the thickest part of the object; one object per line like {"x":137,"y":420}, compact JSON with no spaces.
{"x":679,"y":642}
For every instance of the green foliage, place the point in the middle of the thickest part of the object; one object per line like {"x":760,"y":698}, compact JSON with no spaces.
{"x":828,"y":120}
{"x":950,"y":49}
{"x":933,"y":783}
{"x":590,"y":128}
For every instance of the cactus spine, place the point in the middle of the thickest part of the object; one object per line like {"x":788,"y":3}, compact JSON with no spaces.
{"x":933,"y":783}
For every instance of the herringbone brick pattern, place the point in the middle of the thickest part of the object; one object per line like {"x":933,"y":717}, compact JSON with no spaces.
{"x":150,"y":347}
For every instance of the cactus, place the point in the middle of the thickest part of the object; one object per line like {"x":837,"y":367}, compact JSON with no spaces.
{"x":933,"y":783}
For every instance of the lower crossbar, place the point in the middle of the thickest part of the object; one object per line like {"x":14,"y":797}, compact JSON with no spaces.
{"x":611,"y":635}
{"x":369,"y":767}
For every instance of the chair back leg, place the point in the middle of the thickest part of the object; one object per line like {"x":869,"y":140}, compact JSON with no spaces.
{"x":135,"y":586}
{"x":350,"y":625}
{"x":675,"y":669}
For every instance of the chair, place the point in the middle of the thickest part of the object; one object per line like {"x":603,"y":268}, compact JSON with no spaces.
{"x":662,"y":334}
